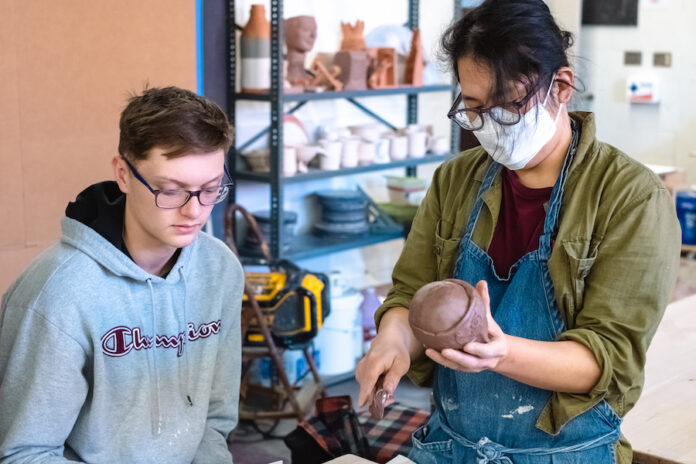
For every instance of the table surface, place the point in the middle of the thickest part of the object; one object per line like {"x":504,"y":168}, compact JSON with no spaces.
{"x":663,"y":422}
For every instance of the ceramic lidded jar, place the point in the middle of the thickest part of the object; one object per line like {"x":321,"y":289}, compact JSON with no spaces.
{"x":448,"y":314}
{"x":256,"y":52}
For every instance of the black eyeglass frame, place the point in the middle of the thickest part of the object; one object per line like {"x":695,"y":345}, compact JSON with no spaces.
{"x":223,"y":189}
{"x":514,"y":107}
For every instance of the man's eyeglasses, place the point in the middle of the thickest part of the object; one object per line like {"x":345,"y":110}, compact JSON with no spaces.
{"x":176,"y":198}
{"x":471,"y":119}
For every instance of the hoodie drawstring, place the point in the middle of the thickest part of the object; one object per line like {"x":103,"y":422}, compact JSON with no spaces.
{"x":187,"y":362}
{"x":156,"y":409}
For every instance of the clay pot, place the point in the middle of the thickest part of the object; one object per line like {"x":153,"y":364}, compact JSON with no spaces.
{"x":256,"y":52}
{"x":448,"y":314}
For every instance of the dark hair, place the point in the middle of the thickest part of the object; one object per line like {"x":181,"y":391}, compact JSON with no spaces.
{"x":518,"y":39}
{"x":174,"y":119}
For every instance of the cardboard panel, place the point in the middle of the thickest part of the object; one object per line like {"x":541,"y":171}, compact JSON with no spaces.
{"x":55,"y":171}
{"x":11,"y":204}
{"x":77,"y":63}
{"x":14,"y":260}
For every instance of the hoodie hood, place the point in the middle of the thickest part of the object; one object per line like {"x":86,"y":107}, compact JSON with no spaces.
{"x":93,"y":224}
{"x":101,"y":207}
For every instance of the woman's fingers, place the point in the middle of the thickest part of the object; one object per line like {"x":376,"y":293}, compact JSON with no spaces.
{"x":458,"y":360}
{"x":482,"y":288}
{"x":371,"y":367}
{"x":491,"y":349}
{"x":393,"y":376}
{"x":367,"y":374}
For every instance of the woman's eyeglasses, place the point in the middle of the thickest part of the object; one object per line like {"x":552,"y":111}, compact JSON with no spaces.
{"x":472,"y":118}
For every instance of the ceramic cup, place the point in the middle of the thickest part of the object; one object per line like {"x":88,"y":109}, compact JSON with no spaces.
{"x":398,"y":147}
{"x":382,"y":151}
{"x":417,"y":144}
{"x":330,"y":155}
{"x":438,"y":145}
{"x":289,"y":161}
{"x":367,"y":153}
{"x":350,"y":153}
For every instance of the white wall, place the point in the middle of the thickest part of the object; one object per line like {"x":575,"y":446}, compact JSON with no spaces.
{"x":660,"y":134}
{"x":371,"y":265}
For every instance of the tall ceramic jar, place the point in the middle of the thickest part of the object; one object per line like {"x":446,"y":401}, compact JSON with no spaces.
{"x":256,"y":52}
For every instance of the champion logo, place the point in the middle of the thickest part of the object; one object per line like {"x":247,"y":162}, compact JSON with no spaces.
{"x":121,"y":340}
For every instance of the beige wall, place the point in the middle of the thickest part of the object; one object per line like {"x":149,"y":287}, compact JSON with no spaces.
{"x":66,"y":68}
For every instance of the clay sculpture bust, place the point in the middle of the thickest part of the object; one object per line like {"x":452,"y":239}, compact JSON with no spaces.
{"x":448,"y":314}
{"x":300,"y":34}
{"x":353,"y":39}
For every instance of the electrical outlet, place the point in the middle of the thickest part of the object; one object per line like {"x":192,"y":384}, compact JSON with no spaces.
{"x":663,"y":60}
{"x":633,"y":58}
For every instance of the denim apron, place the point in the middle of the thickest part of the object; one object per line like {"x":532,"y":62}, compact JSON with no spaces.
{"x":489,"y":418}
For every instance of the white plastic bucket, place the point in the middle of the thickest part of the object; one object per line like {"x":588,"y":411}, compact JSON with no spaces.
{"x":336,"y":339}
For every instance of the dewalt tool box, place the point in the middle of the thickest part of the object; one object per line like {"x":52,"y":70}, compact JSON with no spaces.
{"x":294,"y":303}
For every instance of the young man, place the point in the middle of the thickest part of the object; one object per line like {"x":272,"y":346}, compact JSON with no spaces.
{"x":122,"y":342}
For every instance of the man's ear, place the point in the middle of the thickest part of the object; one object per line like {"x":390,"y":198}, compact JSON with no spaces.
{"x":563,"y":88}
{"x":120,"y":173}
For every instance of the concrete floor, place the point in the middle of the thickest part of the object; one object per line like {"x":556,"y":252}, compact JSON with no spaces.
{"x":249,"y":447}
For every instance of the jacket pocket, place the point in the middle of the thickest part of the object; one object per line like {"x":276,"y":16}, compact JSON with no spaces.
{"x":446,"y":251}
{"x":579,"y":265}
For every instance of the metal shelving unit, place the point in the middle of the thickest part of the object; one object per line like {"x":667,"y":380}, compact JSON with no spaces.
{"x":307,"y":245}
{"x":309,"y":96}
{"x":317,"y":174}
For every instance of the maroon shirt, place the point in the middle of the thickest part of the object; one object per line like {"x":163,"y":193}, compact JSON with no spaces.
{"x":520,"y":222}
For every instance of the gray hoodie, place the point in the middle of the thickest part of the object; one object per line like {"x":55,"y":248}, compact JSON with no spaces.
{"x":102,"y":362}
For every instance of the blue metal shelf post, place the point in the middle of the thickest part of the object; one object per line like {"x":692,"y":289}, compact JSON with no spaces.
{"x":276,"y":142}
{"x":412,"y":110}
{"x":454,"y":139}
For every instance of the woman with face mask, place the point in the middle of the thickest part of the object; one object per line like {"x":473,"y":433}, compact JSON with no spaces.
{"x":572,"y":245}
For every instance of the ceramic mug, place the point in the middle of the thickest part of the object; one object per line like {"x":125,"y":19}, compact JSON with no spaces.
{"x":438,"y":145}
{"x":382,"y":151}
{"x":289,"y":161}
{"x":367,"y":153}
{"x":330,"y":155}
{"x":350,"y":153}
{"x":417,"y":144}
{"x":398,"y":147}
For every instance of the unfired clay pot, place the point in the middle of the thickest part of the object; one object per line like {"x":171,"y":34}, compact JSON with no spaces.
{"x":448,"y":314}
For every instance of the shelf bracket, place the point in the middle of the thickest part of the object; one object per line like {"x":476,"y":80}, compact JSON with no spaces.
{"x":371,"y":113}
{"x":265,"y":131}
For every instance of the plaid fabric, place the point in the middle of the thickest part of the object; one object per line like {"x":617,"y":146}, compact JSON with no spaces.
{"x":386,"y":438}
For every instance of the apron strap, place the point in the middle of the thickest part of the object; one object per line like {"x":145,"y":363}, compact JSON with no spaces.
{"x":553,"y":213}
{"x":491,"y":174}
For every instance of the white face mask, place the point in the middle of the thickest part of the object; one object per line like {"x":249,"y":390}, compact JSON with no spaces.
{"x":515,"y":146}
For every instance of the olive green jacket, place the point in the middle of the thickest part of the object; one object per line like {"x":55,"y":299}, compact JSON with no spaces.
{"x":613,"y":265}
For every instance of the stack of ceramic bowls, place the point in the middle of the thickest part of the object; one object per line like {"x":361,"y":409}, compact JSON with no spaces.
{"x":343,"y":213}
{"x":263,"y":219}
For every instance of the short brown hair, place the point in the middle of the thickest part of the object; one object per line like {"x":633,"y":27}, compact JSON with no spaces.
{"x":174,"y":119}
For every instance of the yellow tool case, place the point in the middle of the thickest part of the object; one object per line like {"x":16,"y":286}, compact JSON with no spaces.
{"x":294,"y":302}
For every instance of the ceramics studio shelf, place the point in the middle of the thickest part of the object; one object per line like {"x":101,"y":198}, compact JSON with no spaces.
{"x":317,"y":174}
{"x":308,"y":96}
{"x":307,"y":245}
